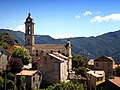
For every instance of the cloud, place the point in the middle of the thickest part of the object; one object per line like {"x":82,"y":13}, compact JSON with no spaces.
{"x":77,"y":16}
{"x":86,"y":13}
{"x":12,"y":21}
{"x":20,"y":28}
{"x":111,"y":17}
{"x":57,"y":36}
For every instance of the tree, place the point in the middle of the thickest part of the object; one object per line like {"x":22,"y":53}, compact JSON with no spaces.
{"x":1,"y":83}
{"x":21,"y":83}
{"x":4,"y":44}
{"x":23,"y":54}
{"x":15,"y":65}
{"x":80,"y":64}
{"x":67,"y":86}
{"x":81,"y":70}
{"x":117,"y":70}
{"x":79,"y":61}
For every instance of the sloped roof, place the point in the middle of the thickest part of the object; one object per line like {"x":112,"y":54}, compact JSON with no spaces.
{"x":107,"y":58}
{"x":91,"y":62}
{"x":115,"y":81}
{"x":4,"y":51}
{"x":27,"y":72}
{"x":96,"y":73}
{"x":58,"y":56}
{"x":49,"y":46}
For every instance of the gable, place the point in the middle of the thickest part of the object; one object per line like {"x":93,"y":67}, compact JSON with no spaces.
{"x":105,"y":58}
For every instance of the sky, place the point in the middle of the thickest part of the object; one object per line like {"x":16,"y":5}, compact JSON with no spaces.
{"x":62,"y":18}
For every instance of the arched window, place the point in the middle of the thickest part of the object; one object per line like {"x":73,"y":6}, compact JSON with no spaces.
{"x":29,"y":30}
{"x":28,"y":41}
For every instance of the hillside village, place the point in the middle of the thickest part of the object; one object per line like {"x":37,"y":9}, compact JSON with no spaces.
{"x":44,"y":66}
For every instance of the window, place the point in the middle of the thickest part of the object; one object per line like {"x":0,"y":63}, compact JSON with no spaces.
{"x":108,"y":64}
{"x":28,"y":29}
{"x":45,"y":58}
{"x":98,"y":79}
{"x":36,"y":54}
{"x":51,"y":51}
{"x":39,"y":78}
{"x":97,"y":64}
{"x":63,"y":53}
{"x":34,"y":65}
{"x":33,"y":79}
{"x":58,"y":51}
{"x":41,"y":51}
{"x":28,"y":41}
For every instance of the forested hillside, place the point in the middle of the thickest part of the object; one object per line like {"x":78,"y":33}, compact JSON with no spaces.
{"x":90,"y":47}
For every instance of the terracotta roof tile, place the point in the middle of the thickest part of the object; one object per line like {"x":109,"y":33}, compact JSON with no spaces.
{"x":58,"y":56}
{"x":27,"y":72}
{"x":115,"y":81}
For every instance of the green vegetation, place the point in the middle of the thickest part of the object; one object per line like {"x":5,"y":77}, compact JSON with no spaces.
{"x":9,"y":82}
{"x":15,"y":65}
{"x":3,"y":44}
{"x":23,"y":54}
{"x":21,"y":83}
{"x":80,"y":64}
{"x":1,"y":83}
{"x":6,"y":40}
{"x":67,"y":86}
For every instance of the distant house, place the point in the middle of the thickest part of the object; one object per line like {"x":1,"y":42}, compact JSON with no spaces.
{"x":4,"y":57}
{"x":91,"y":63}
{"x":104,"y":63}
{"x":95,"y":78}
{"x":32,"y":78}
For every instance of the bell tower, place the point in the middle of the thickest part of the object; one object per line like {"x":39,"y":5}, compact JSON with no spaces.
{"x":29,"y":34}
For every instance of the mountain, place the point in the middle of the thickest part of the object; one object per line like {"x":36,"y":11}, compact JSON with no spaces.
{"x":8,"y":42}
{"x":90,"y":47}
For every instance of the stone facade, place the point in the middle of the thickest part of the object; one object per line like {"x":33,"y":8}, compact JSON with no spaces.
{"x":95,"y":78}
{"x":53,"y":60}
{"x":32,"y":79}
{"x":4,"y":57}
{"x":104,"y":63}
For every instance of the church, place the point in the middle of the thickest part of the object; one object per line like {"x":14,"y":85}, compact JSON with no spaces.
{"x":54,"y":61}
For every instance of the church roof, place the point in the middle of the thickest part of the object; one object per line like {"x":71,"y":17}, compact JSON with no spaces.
{"x":50,"y":46}
{"x":58,"y":56}
{"x":29,"y":19}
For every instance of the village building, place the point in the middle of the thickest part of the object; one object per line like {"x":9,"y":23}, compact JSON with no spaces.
{"x":95,"y":78}
{"x":53,"y":60}
{"x":104,"y":63}
{"x":4,"y":58}
{"x":32,"y":79}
